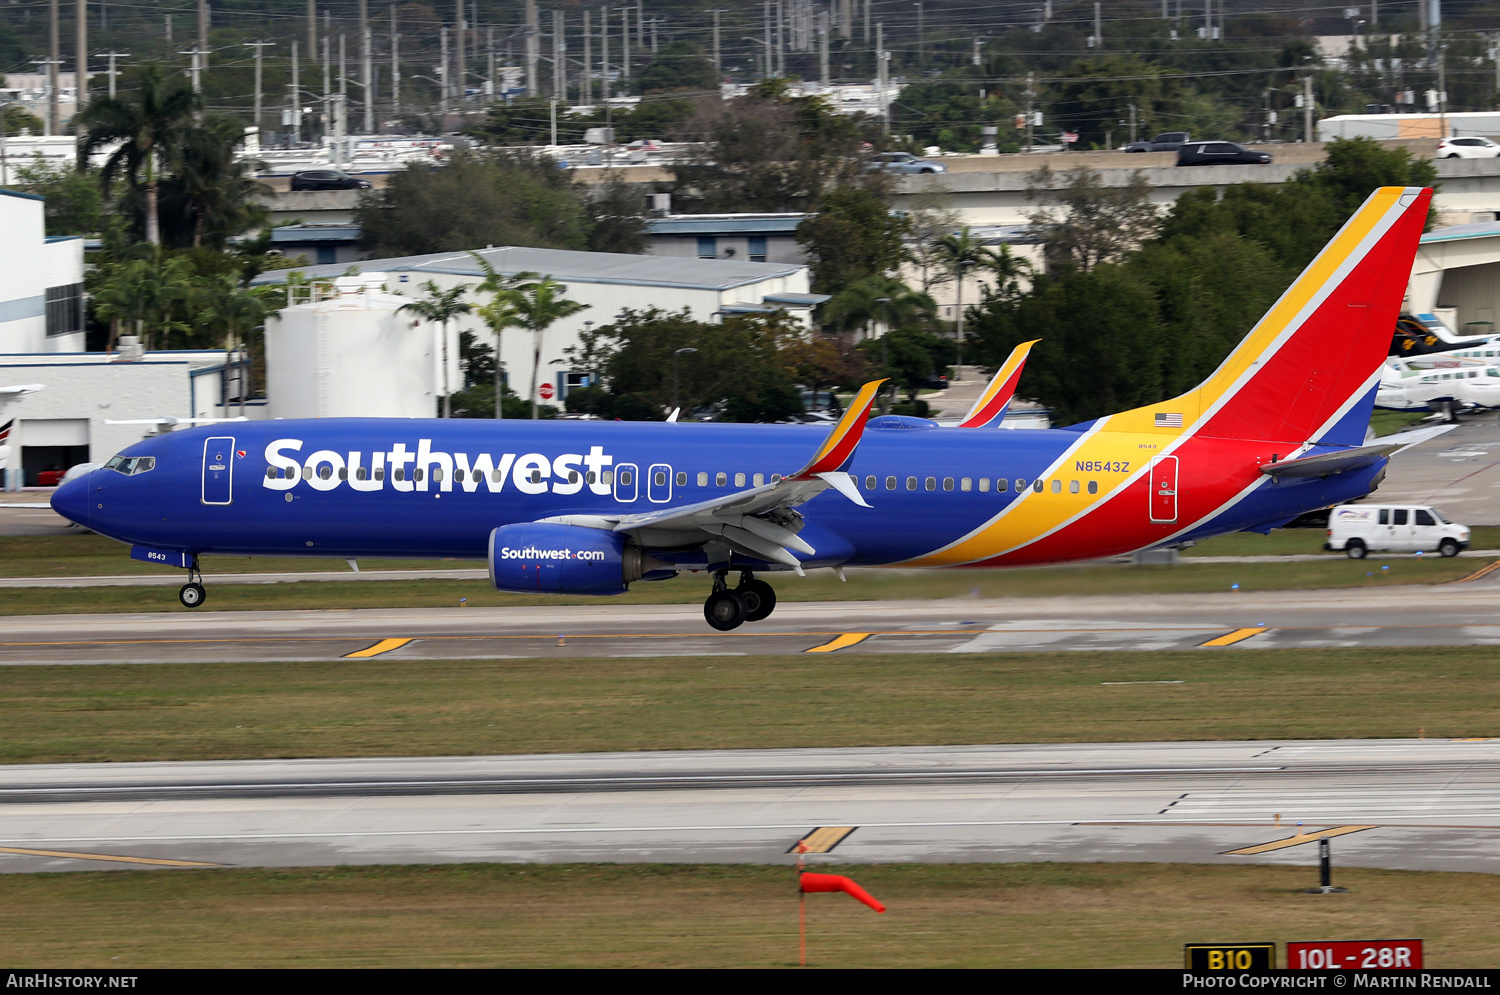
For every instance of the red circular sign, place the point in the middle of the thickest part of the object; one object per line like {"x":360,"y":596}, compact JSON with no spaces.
{"x":546,"y":391}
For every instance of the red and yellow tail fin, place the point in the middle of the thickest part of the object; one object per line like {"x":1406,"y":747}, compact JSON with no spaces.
{"x":990,"y":409}
{"x":841,"y":442}
{"x":1308,"y":368}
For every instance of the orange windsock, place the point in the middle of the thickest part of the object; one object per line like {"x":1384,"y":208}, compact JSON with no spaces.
{"x":837,"y":882}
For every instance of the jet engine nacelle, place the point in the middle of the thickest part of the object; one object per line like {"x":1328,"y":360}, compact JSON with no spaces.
{"x":564,"y":559}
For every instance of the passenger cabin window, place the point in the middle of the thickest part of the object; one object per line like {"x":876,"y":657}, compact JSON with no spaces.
{"x":625,"y":477}
{"x":1057,"y":487}
{"x":966,"y":484}
{"x":870,"y":483}
{"x":911,"y":483}
{"x":932,"y":483}
{"x":1399,"y":516}
{"x":1385,"y":516}
{"x":760,"y":478}
{"x":721,"y":480}
{"x":702,"y":480}
{"x":890,"y":483}
{"x":1072,"y":487}
{"x":681,"y":479}
{"x":948,"y":484}
{"x":739,"y":480}
{"x":1020,"y":483}
{"x":1002,"y":485}
{"x":1093,"y":487}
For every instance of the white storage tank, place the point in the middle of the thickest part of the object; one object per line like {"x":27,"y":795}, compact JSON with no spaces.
{"x":356,"y":354}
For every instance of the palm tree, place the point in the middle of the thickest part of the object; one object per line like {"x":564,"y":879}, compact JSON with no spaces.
{"x":237,"y":311}
{"x":1006,"y":267}
{"x":879,"y":299}
{"x":150,"y":292}
{"x":961,"y":251}
{"x":442,"y":306}
{"x":214,"y":181}
{"x":499,"y":314}
{"x":151,"y":129}
{"x":538,"y":303}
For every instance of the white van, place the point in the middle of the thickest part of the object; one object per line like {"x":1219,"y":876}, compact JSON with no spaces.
{"x":1359,"y":528}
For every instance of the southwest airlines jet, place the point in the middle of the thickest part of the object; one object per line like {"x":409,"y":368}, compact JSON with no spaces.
{"x":592,"y":507}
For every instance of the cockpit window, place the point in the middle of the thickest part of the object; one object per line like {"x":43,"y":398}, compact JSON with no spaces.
{"x":131,"y":465}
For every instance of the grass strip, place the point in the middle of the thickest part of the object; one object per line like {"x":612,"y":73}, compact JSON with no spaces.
{"x":424,"y":708}
{"x":819,"y":585}
{"x":655,"y":915}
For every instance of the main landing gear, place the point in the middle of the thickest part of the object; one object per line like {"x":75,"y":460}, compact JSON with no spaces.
{"x":192,"y":593}
{"x":728,"y":608}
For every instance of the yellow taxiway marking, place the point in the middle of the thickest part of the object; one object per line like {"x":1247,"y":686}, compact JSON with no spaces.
{"x":384,"y":646}
{"x":822,"y":839}
{"x":840,"y":642}
{"x":1230,"y":638}
{"x":1482,"y":572}
{"x":74,"y":855}
{"x":1297,"y":840}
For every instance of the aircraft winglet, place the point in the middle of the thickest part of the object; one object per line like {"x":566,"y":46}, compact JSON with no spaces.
{"x":990,"y":409}
{"x":839,"y":447}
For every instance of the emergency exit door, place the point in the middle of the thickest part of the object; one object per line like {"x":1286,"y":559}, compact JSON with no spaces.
{"x":218,"y":470}
{"x":1164,"y":489}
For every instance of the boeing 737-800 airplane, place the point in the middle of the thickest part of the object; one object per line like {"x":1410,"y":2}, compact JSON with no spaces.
{"x":592,"y":507}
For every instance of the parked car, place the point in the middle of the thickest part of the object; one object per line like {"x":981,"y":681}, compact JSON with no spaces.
{"x":1467,"y":148}
{"x":327,"y":179}
{"x":935,"y":381}
{"x":1357,"y":529}
{"x":902,"y":163}
{"x":1167,"y":141}
{"x":1219,"y":153}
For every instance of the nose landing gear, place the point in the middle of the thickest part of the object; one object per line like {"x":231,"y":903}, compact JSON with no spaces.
{"x":728,"y":609}
{"x":192,"y":594}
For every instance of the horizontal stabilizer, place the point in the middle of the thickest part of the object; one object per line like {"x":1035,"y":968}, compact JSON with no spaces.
{"x":1331,"y":463}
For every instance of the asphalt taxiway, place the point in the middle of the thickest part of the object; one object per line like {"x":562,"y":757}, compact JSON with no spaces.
{"x":1439,"y":615}
{"x":1402,"y":804}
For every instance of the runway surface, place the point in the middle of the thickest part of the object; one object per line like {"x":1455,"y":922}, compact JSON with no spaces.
{"x":1400,"y":804}
{"x":1446,"y":615}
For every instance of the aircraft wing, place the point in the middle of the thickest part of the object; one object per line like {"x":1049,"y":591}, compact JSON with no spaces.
{"x":170,"y":420}
{"x":21,"y":388}
{"x":758,"y":522}
{"x":989,"y":410}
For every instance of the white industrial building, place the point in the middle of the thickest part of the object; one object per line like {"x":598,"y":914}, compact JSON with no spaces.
{"x":41,"y":281}
{"x":607,"y":282}
{"x":69,"y":420}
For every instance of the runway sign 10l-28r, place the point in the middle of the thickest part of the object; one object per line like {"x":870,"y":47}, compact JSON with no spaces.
{"x":1229,"y":956}
{"x":1354,"y":955}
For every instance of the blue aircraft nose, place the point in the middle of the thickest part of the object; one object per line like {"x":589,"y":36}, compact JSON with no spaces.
{"x":71,"y":500}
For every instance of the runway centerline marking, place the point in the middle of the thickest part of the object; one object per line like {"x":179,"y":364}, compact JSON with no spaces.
{"x":384,"y":646}
{"x":1296,"y":840}
{"x":840,"y":642}
{"x":74,"y":855}
{"x":1237,"y":636}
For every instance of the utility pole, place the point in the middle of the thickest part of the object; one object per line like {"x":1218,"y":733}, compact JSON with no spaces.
{"x":604,"y":52}
{"x":625,"y":38}
{"x":823,"y":76}
{"x":882,"y":59}
{"x":1132,"y":120}
{"x":112,"y":56}
{"x":443,"y":71}
{"x":554,"y":121}
{"x":295,"y":107}
{"x":81,"y":65}
{"x":921,"y":36}
{"x":846,"y":28}
{"x":395,"y":66}
{"x":327,"y":81}
{"x":559,"y":57}
{"x":312,"y":30}
{"x":195,"y":52}
{"x":203,"y":34}
{"x":1307,"y":109}
{"x":344,"y":70}
{"x":1030,"y":96}
{"x":461,"y":74}
{"x":54,"y":60}
{"x":366,"y":66}
{"x":258,"y":46}
{"x":718,"y":63}
{"x":770,"y":64}
{"x":1098,"y":29}
{"x":867,"y":22}
{"x":585,"y":86}
{"x":780,"y":39}
{"x":654,"y":22}
{"x":532,"y":41}
{"x":974,"y":59}
{"x":640,"y":25}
